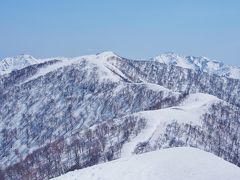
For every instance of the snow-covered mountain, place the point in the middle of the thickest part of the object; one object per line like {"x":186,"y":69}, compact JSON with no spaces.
{"x":200,"y":64}
{"x":167,"y":164}
{"x":9,"y":64}
{"x":203,"y":64}
{"x":62,"y":114}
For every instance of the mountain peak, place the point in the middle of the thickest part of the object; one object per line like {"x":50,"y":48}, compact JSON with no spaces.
{"x":27,"y":56}
{"x":107,"y":54}
{"x":17,"y":62}
{"x":201,"y":63}
{"x":171,"y":58}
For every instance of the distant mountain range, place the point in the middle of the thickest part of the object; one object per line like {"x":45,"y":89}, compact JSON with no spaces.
{"x":190,"y":62}
{"x":62,"y":114}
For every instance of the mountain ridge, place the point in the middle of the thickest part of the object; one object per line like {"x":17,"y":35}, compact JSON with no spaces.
{"x":199,"y":64}
{"x":190,"y":62}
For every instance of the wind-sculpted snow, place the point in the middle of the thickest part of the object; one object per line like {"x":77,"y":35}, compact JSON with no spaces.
{"x":61,"y":115}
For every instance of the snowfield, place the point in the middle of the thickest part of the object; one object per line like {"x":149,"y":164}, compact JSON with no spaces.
{"x":189,"y":111}
{"x":169,"y":164}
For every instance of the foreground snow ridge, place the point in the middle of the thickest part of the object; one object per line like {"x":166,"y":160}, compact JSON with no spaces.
{"x":168,"y":164}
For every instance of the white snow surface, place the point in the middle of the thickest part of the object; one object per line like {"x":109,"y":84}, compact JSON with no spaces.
{"x":189,"y":112}
{"x":182,"y":163}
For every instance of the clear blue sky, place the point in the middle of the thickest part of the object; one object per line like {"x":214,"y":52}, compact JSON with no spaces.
{"x":131,"y":28}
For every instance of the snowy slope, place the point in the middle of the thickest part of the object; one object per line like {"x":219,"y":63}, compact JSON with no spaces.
{"x":200,"y":64}
{"x":167,"y":164}
{"x":9,"y":64}
{"x":97,"y":63}
{"x":189,"y":111}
